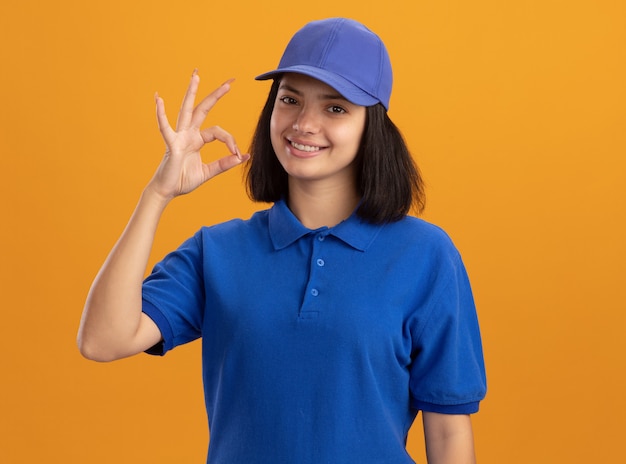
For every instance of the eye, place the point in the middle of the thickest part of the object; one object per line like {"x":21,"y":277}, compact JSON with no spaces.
{"x":335,"y":109}
{"x":288,"y":100}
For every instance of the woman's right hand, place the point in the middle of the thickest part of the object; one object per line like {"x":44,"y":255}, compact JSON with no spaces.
{"x":113,"y":325}
{"x":182,"y":169}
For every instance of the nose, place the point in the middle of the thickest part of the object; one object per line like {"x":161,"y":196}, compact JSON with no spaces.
{"x":306,"y":122}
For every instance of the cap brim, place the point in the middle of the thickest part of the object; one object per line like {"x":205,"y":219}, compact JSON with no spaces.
{"x":347,"y":89}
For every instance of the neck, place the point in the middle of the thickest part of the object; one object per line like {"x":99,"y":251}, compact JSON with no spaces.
{"x":317,"y":206}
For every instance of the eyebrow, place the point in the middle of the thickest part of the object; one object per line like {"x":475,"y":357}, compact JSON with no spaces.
{"x":326,"y":96}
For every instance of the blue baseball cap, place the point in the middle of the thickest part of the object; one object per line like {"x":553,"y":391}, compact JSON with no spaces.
{"x":343,"y":54}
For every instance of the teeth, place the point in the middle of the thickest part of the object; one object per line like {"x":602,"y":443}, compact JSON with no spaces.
{"x":304,"y":147}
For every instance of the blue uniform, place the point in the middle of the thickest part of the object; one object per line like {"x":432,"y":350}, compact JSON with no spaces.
{"x":320,"y":346}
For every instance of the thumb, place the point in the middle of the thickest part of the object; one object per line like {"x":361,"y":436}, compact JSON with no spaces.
{"x":223,"y":164}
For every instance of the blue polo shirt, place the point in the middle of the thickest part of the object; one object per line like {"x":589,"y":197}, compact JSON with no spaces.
{"x":320,"y":346}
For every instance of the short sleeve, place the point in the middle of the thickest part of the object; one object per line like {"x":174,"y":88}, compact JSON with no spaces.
{"x":174,"y":296}
{"x":447,"y":373}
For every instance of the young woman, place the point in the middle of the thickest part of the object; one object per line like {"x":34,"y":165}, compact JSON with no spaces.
{"x":327,"y":321}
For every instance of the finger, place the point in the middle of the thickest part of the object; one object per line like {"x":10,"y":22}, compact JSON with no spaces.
{"x":223,"y":164}
{"x":186,"y":109}
{"x":217,"y":133}
{"x":203,"y":108}
{"x":162,"y":122}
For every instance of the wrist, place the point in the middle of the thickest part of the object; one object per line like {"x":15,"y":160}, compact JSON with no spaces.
{"x":152,"y":195}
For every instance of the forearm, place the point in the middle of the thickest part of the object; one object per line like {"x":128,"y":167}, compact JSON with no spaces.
{"x":449,"y":439}
{"x":110,"y":327}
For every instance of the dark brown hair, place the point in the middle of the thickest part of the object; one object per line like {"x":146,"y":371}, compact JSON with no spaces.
{"x":388,"y":179}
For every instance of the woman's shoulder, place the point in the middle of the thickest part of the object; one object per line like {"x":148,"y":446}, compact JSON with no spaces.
{"x":420,"y":238}
{"x":236,"y":227}
{"x":417,"y":229}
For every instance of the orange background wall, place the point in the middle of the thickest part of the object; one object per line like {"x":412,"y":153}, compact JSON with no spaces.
{"x":515,"y":112}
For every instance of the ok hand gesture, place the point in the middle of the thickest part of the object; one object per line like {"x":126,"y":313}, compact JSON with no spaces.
{"x":182,"y":169}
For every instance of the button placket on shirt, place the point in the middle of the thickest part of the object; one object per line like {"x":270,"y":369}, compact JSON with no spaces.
{"x":317,"y":266}
{"x":319,"y":262}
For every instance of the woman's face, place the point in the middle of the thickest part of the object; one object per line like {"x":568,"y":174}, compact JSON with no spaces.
{"x":315,"y":132}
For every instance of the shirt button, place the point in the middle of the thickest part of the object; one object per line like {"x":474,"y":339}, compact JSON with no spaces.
{"x":314,"y":292}
{"x":321,"y":238}
{"x":320,"y":262}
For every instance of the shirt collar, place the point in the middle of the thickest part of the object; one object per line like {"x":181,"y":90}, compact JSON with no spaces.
{"x":285,"y":229}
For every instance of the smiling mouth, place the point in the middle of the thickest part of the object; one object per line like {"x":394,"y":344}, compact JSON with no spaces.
{"x":306,"y":148}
